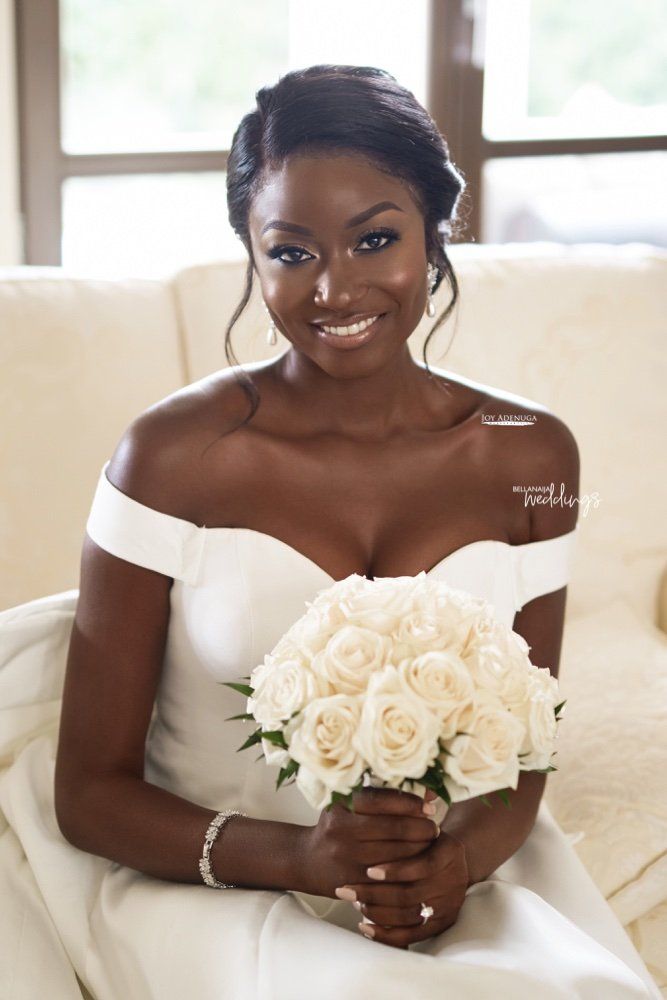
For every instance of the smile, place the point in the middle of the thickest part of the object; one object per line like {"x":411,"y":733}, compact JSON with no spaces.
{"x":347,"y":338}
{"x":348,"y":331}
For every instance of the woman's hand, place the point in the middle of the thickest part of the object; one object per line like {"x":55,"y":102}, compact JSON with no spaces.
{"x":387,"y":824}
{"x":393,"y":898}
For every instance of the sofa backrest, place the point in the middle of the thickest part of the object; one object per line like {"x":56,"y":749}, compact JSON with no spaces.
{"x":579,"y":329}
{"x":78,"y":360}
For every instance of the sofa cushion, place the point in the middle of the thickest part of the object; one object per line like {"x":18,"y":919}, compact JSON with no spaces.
{"x":609,"y":791}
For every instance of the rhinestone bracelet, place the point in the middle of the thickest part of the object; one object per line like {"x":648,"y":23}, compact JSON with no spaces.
{"x":214,"y":829}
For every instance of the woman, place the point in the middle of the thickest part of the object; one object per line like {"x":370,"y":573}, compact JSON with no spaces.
{"x":213,"y":523}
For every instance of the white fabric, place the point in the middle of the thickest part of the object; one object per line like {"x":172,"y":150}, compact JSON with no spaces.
{"x":614,"y":677}
{"x":537,"y":926}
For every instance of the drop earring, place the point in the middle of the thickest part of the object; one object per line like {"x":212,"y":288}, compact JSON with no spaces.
{"x":272,"y":333}
{"x":432,"y":273}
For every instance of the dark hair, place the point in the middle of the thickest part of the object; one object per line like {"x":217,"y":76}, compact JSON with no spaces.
{"x":344,"y":109}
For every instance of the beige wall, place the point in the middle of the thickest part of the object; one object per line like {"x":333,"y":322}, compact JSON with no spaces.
{"x":10,"y":218}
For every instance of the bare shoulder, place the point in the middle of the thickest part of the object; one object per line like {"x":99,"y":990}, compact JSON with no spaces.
{"x":522,"y":445}
{"x":157,"y":460}
{"x":542,"y":455}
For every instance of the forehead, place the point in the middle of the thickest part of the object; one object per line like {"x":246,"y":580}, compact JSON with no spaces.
{"x":325,"y":191}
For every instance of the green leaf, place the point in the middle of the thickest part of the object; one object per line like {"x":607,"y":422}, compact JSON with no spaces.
{"x":433,"y":779}
{"x":243,"y":715}
{"x":241,"y":688}
{"x":345,"y":800}
{"x":486,"y":801}
{"x":505,"y":797}
{"x":545,"y":770}
{"x":254,"y":738}
{"x":275,"y":736}
{"x":287,"y":772}
{"x":558,"y":707}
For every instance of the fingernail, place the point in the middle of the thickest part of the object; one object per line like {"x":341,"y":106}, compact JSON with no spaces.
{"x":357,"y":905}
{"x":367,"y":929}
{"x":376,"y":872}
{"x":429,"y":808}
{"x":344,"y":893}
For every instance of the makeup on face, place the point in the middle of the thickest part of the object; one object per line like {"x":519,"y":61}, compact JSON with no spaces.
{"x":344,"y":282}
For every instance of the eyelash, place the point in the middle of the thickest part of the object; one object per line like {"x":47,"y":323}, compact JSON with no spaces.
{"x":391,"y":234}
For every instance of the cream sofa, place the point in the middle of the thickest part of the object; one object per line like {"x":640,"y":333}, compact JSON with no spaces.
{"x":578,"y":328}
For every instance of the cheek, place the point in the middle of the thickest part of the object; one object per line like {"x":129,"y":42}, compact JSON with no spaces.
{"x":405,"y":282}
{"x":408,"y":289}
{"x":280,"y":293}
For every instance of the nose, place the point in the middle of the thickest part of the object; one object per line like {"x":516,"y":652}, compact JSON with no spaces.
{"x":340,"y":288}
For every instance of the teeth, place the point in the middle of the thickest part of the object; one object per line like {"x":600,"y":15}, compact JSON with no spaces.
{"x":349,"y":331}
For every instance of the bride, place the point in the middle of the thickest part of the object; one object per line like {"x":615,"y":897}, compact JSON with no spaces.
{"x":223,"y":509}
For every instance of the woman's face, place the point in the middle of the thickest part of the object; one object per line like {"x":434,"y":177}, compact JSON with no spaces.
{"x":336,"y":240}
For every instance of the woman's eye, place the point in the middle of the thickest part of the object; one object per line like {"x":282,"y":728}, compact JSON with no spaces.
{"x":389,"y":235}
{"x":380,"y":234}
{"x":279,"y":251}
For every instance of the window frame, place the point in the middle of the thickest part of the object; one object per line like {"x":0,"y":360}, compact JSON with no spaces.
{"x":455,"y":100}
{"x":455,"y":96}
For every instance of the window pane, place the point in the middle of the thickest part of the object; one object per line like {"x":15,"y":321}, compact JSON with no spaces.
{"x":555,"y":69}
{"x":145,"y":75}
{"x":594,"y":198}
{"x":390,"y":34}
{"x":145,"y":225}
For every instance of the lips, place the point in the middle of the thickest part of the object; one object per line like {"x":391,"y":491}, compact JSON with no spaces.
{"x":345,"y":320}
{"x":347,"y":342}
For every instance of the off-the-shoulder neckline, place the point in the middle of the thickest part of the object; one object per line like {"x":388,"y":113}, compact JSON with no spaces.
{"x":522,"y":547}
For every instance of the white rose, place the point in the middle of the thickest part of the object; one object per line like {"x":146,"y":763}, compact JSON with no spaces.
{"x":314,"y":791}
{"x":339,"y":591}
{"x":537,"y":713}
{"x":260,"y":670}
{"x":308,"y":635}
{"x":438,"y":621}
{"x":398,"y":734}
{"x":487,"y":759}
{"x":442,"y":680}
{"x":498,"y":660}
{"x":382,"y":604}
{"x":282,"y":689}
{"x":351,"y":655}
{"x":275,"y":755}
{"x":321,"y":740}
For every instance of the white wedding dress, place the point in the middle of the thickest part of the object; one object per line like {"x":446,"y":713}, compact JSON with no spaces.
{"x":538,"y":927}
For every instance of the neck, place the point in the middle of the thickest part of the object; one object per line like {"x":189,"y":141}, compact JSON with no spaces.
{"x":398,"y":397}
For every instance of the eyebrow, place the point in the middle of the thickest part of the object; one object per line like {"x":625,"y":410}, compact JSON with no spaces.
{"x":291,"y":227}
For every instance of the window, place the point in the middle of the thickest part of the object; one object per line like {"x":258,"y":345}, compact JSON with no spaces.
{"x":551,"y":110}
{"x":557,"y":114}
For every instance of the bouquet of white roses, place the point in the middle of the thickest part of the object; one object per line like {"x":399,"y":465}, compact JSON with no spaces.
{"x":401,"y":680}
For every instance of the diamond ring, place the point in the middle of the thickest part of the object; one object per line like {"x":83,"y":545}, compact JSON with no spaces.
{"x":425,"y":912}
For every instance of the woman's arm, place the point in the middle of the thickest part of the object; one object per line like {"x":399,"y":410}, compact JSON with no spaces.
{"x":492,"y":835}
{"x":144,"y":827}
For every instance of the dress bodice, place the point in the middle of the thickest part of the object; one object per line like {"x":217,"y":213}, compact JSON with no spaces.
{"x":235,"y":592}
